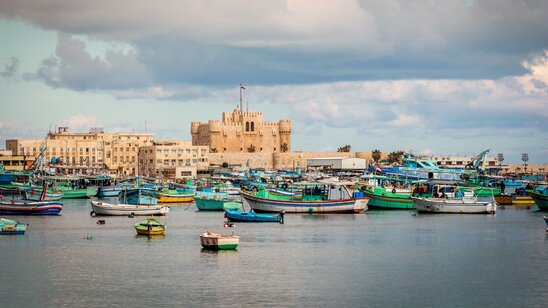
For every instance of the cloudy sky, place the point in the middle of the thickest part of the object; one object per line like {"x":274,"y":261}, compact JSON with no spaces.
{"x":427,"y":76}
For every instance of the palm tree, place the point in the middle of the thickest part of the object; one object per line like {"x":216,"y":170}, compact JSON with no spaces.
{"x":395,"y":157}
{"x":376,"y":155}
{"x":345,"y":148}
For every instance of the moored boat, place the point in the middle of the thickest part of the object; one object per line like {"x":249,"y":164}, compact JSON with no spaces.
{"x":8,"y":227}
{"x":36,"y":194}
{"x":103,"y":208}
{"x":541,"y":199}
{"x":141,"y":196}
{"x":381,"y":198}
{"x":313,"y":198}
{"x":108,"y":191}
{"x":175,"y":196}
{"x":150,"y":226}
{"x":464,"y":205}
{"x":214,"y":201}
{"x":30,"y":207}
{"x":216,"y":241}
{"x":241,"y":216}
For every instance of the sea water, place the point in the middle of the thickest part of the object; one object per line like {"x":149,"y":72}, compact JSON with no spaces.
{"x":379,"y":258}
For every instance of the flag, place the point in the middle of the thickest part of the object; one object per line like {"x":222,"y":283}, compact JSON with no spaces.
{"x":378,"y":168}
{"x":242,"y":86}
{"x":44,"y":191}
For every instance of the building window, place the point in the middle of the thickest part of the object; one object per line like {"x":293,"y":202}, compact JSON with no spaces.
{"x":252,"y":126}
{"x":246,"y":126}
{"x":115,"y":159}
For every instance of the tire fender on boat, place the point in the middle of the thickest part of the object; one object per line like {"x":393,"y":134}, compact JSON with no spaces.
{"x":393,"y":190}
{"x":92,"y":213}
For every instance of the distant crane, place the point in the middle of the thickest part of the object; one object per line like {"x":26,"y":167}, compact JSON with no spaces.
{"x":478,"y":161}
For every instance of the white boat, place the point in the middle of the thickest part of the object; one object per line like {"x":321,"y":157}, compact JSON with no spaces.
{"x":465,"y":205}
{"x":103,"y":208}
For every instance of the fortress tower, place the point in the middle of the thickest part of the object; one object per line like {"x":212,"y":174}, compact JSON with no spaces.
{"x":243,"y":131}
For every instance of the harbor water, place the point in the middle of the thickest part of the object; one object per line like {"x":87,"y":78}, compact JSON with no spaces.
{"x":379,"y":258}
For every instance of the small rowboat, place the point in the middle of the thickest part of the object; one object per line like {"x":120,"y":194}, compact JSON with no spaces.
{"x":104,"y":208}
{"x":150,"y":226}
{"x":8,"y":227}
{"x":241,"y":216}
{"x":216,"y":241}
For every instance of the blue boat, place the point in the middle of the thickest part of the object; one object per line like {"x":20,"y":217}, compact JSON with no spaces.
{"x":9,"y":227}
{"x":241,"y":216}
{"x":108,"y":191}
{"x":141,"y":196}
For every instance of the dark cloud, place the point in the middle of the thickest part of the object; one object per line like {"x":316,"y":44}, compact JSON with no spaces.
{"x":73,"y":67}
{"x":10,"y":68}
{"x":278,"y":42}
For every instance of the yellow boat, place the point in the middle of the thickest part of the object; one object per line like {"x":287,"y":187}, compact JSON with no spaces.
{"x":523,"y":201}
{"x":172,"y":196}
{"x":150,"y":226}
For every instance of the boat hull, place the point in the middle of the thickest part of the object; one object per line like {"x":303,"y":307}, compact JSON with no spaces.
{"x":31,"y":208}
{"x":108,"y":191}
{"x":541,"y":200}
{"x":219,"y":242}
{"x":449,"y":206}
{"x":205,"y":204}
{"x":176,"y":198}
{"x":388,"y":201}
{"x":11,"y":227}
{"x":35,"y":195}
{"x":150,"y":227}
{"x":335,"y":206}
{"x":240,"y":216}
{"x":79,"y":193}
{"x":108,"y":209}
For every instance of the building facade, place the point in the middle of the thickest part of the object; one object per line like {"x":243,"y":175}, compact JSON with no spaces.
{"x":14,"y":163}
{"x":84,"y":153}
{"x":173,"y":159}
{"x":243,"y":132}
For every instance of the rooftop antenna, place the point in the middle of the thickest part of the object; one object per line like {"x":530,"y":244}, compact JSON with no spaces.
{"x":241,"y":90}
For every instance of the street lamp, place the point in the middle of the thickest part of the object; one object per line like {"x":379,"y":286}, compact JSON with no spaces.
{"x":500,"y":158}
{"x":525,"y":159}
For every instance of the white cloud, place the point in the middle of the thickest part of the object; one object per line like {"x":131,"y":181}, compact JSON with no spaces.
{"x":80,"y":122}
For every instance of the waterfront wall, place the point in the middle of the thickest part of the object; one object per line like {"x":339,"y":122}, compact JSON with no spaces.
{"x":278,"y":160}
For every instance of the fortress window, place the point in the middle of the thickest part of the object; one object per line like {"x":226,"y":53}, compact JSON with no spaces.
{"x":252,"y":126}
{"x":246,"y":126}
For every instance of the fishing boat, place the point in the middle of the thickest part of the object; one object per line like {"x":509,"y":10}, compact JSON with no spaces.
{"x":215,"y":201}
{"x":104,"y":208}
{"x":72,"y":187}
{"x":36,"y":194}
{"x":30,"y":207}
{"x":8,"y":227}
{"x":241,"y":216}
{"x":541,"y":198}
{"x":108,"y":191}
{"x":176,"y":196}
{"x":141,"y":196}
{"x":381,"y":198}
{"x":464,"y":205}
{"x":315,"y":197}
{"x":216,"y":241}
{"x":150,"y":226}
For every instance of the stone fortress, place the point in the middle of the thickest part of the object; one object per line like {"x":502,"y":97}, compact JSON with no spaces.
{"x":242,"y":131}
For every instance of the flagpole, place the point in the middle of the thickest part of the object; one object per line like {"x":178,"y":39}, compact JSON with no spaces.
{"x":241,"y":106}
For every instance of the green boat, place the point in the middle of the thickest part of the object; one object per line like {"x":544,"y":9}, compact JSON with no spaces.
{"x":381,"y":198}
{"x":215,"y":201}
{"x":72,"y":187}
{"x":541,"y":199}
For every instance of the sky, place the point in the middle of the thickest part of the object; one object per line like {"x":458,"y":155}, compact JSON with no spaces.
{"x":426,"y":76}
